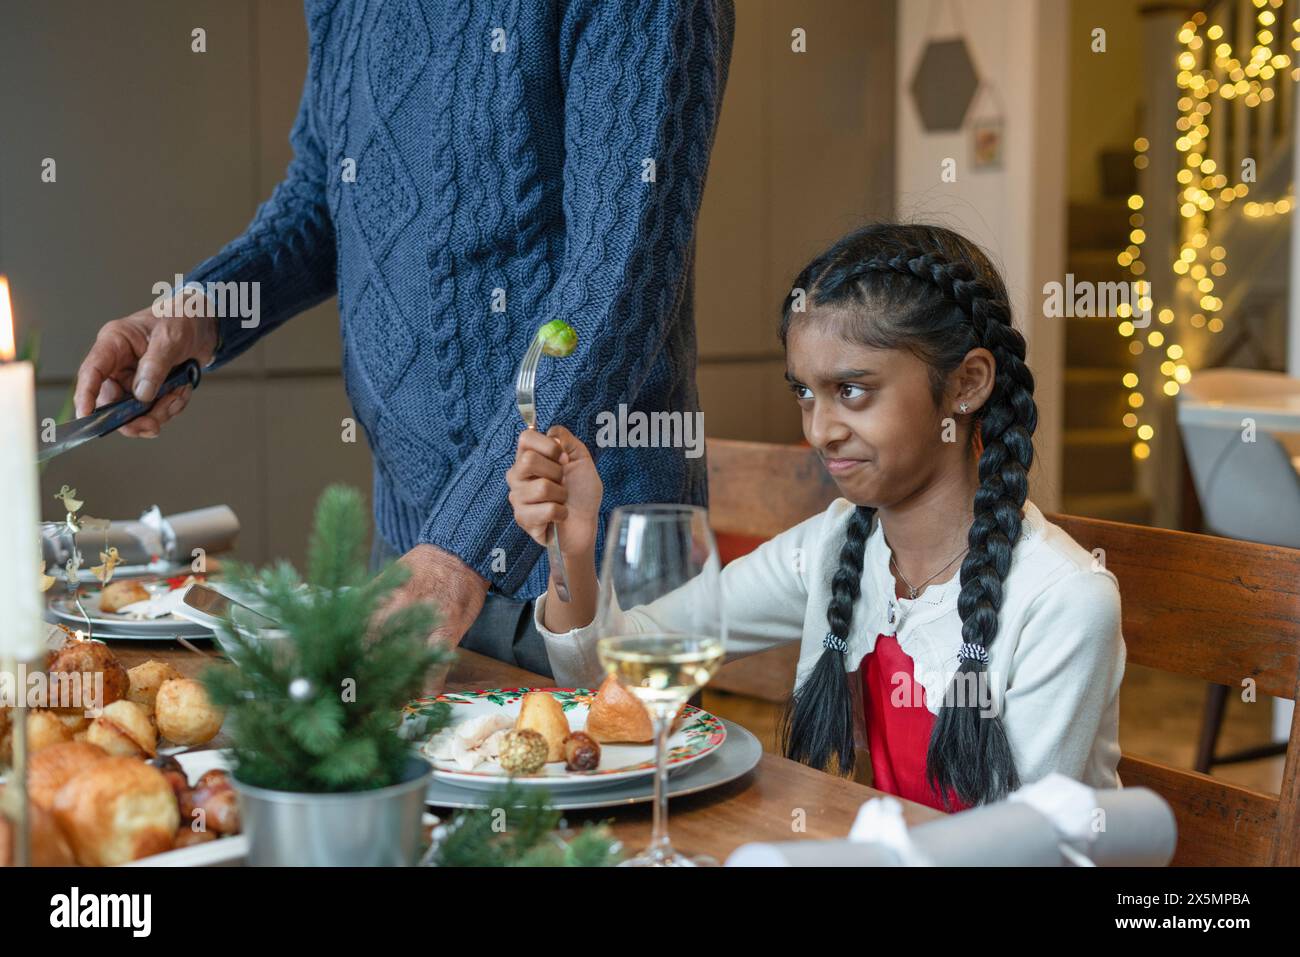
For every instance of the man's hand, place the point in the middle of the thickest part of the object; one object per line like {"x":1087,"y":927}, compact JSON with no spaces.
{"x":132,"y":356}
{"x":446,"y":581}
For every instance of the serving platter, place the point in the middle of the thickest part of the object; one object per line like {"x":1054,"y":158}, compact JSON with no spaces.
{"x":699,"y":735}
{"x":224,"y":850}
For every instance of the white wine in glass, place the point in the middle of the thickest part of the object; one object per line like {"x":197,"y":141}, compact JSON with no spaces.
{"x":662,"y":670}
{"x":661,"y":561}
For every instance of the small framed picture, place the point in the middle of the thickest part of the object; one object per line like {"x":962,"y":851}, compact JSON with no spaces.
{"x":986,"y":143}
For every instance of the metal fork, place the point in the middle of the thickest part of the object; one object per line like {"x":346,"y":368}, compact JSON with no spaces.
{"x":525,"y":399}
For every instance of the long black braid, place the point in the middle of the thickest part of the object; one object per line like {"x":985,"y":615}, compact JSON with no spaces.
{"x":926,"y":289}
{"x":819,"y":726}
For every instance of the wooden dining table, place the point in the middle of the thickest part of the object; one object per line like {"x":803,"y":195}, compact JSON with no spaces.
{"x":779,"y":800}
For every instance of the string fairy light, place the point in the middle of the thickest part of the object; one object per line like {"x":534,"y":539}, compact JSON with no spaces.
{"x":1203,"y":189}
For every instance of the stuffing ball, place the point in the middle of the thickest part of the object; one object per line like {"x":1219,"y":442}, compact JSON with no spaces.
{"x":523,"y":752}
{"x":184,"y":713}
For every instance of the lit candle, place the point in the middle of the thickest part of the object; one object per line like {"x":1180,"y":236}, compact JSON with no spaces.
{"x":22,"y":634}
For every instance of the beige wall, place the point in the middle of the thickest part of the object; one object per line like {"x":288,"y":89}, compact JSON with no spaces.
{"x":1016,"y":212}
{"x":804,"y":152}
{"x":164,"y":154}
{"x":1105,"y":90}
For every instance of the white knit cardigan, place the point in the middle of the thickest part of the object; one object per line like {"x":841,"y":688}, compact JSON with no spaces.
{"x":1055,"y":666}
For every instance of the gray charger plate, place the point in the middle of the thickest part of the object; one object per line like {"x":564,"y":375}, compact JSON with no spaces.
{"x":737,"y":755}
{"x":108,"y":625}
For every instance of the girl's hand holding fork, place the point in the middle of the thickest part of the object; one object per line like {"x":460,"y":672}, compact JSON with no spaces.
{"x":554,"y":479}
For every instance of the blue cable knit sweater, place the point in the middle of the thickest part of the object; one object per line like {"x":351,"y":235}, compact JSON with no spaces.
{"x":501,"y":151}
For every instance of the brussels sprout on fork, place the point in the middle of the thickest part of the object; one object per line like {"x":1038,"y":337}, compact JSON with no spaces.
{"x":558,"y":338}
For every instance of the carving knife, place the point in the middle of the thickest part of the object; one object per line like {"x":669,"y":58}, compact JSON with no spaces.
{"x":112,"y":417}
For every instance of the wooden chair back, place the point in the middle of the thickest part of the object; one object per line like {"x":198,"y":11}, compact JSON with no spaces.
{"x":1211,"y":608}
{"x":1223,"y":611}
{"x":759,"y":489}
{"x":756,"y":490}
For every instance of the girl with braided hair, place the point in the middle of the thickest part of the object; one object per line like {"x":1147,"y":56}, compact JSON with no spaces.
{"x":968,"y":644}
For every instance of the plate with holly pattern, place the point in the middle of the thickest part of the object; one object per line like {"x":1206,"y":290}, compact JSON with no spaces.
{"x":698,"y":735}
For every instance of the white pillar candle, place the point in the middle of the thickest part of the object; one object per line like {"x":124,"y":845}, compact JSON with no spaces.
{"x":22,"y":633}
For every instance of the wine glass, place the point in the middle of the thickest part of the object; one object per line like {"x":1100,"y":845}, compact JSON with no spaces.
{"x":662,"y":561}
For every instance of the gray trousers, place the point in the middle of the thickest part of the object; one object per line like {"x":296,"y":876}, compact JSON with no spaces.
{"x":504,"y":629}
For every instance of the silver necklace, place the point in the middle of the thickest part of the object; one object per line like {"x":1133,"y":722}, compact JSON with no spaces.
{"x":912,"y":592}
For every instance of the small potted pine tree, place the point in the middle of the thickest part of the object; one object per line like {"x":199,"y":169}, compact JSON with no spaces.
{"x":324,"y":775}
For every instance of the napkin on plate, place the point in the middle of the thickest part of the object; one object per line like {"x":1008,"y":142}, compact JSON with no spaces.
{"x":159,"y":606}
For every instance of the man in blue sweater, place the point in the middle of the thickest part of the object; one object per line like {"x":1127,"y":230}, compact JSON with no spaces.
{"x":463,"y":173}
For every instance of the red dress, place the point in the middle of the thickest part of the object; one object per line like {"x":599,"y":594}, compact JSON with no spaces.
{"x":898,"y":731}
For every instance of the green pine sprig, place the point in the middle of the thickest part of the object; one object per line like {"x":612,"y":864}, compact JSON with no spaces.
{"x":518,"y":829}
{"x":339,"y":729}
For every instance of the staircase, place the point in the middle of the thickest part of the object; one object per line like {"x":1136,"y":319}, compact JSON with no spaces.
{"x":1099,"y":479}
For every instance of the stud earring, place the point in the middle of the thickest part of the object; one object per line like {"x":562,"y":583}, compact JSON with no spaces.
{"x":963,"y":407}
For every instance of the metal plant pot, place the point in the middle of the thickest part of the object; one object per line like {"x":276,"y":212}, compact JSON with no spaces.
{"x":376,"y":828}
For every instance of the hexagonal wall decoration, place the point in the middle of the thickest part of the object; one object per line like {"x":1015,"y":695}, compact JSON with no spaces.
{"x":944,"y":85}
